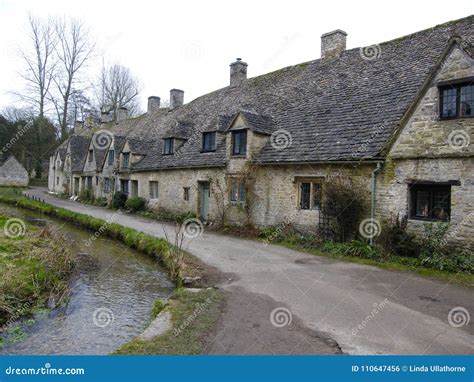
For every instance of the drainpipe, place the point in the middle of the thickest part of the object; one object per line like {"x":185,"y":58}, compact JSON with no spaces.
{"x":372,"y":199}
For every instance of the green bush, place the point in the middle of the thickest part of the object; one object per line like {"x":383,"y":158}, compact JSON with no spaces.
{"x":355,"y":248}
{"x":135,"y":203}
{"x":86,"y":195}
{"x":101,"y":201}
{"x":396,"y":240}
{"x":158,"y":306}
{"x":182,"y":216}
{"x":119,"y":199}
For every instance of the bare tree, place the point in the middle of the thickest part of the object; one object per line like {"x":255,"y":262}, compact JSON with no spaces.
{"x":39,"y":62}
{"x":118,"y":88}
{"x":73,"y":50}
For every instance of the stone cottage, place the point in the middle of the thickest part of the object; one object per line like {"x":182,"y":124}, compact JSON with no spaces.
{"x":396,"y":116}
{"x":12,"y":173}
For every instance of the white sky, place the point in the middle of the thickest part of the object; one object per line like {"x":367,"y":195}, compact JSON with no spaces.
{"x":189,"y":44}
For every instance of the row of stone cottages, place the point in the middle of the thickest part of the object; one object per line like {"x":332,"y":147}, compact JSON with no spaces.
{"x":397,"y":116}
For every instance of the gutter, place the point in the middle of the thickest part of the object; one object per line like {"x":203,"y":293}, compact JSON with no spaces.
{"x":372,"y":196}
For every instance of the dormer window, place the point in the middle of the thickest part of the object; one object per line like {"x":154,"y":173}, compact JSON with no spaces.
{"x":90,"y":156}
{"x":209,"y":141}
{"x":125,"y":160}
{"x":167,"y":146}
{"x":456,"y":100}
{"x":239,"y":142}
{"x":111,"y":157}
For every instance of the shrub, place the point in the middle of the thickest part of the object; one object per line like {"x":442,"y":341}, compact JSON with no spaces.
{"x":86,"y":195}
{"x":101,"y":201}
{"x":396,"y":240}
{"x":344,"y":205}
{"x":158,"y":306}
{"x":119,"y":199}
{"x":355,"y":248}
{"x":182,"y":216}
{"x":135,"y":203}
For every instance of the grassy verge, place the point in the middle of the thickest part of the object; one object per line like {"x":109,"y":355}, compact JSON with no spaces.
{"x":194,"y":316}
{"x":158,"y":248}
{"x":393,"y":263}
{"x":34,"y":266}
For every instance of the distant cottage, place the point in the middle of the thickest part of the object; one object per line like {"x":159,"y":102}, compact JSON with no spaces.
{"x":12,"y":173}
{"x":396,"y":116}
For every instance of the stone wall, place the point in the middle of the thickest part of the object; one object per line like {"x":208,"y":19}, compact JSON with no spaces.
{"x":426,"y":151}
{"x":12,"y":173}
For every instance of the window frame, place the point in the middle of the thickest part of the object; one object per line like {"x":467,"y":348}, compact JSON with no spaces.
{"x":455,"y":85}
{"x":430,"y":188}
{"x":122,"y":182}
{"x":168,"y":149}
{"x":213,"y":141}
{"x":186,"y":192}
{"x":125,"y":162}
{"x":241,"y":132}
{"x":90,"y":156}
{"x":313,"y":184}
{"x":134,"y":192}
{"x":111,"y":157}
{"x":151,"y":192}
{"x":237,"y":191}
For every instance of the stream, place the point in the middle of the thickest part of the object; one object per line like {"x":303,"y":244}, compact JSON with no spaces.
{"x":112,"y":291}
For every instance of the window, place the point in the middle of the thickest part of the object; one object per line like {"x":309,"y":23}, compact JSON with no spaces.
{"x":89,"y":182}
{"x":90,"y":156}
{"x":310,"y":196}
{"x":238,"y":190}
{"x":134,"y":188}
{"x":124,"y":185}
{"x":153,"y":189}
{"x":209,"y":141}
{"x":430,"y":201}
{"x":168,"y":146}
{"x":457,"y":100}
{"x":57,"y":180}
{"x":107,"y":185}
{"x":186,"y":193}
{"x":126,"y":160}
{"x":239,"y":142}
{"x":111,"y":157}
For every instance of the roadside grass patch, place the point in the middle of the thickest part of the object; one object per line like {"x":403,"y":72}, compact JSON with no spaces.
{"x":194,"y":316}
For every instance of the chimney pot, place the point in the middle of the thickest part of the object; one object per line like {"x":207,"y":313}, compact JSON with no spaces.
{"x":176,"y":98}
{"x":121,"y":114}
{"x":153,"y":103}
{"x":333,"y":43}
{"x":238,"y":72}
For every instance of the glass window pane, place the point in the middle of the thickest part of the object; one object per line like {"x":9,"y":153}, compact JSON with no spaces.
{"x":467,"y":100}
{"x":242,"y":191}
{"x":441,"y":205}
{"x":423,"y":203}
{"x":449,"y":103}
{"x":305,"y":196}
{"x":316,"y":196}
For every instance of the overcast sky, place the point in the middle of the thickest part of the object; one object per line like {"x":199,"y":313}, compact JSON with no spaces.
{"x":190,"y":44}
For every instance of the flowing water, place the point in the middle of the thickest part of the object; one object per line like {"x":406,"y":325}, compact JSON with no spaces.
{"x":112,"y":292}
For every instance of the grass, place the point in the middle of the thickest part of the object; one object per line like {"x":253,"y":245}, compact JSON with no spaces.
{"x":158,"y":248}
{"x":194,"y":316}
{"x":34,"y":267}
{"x":393,"y":263}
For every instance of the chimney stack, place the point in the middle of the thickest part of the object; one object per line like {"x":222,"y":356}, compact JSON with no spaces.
{"x":176,"y":98}
{"x":333,"y":43}
{"x":121,"y":114}
{"x":238,"y":72}
{"x":153,"y":103}
{"x":105,"y":117}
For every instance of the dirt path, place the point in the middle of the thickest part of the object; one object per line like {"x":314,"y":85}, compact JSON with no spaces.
{"x":364,"y":309}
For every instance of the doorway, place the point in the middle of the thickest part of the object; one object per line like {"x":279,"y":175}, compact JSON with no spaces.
{"x":205,"y":195}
